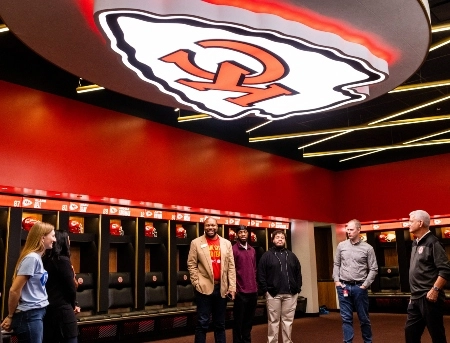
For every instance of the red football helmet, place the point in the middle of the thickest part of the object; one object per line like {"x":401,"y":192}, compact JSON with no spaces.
{"x":115,"y":229}
{"x":150,"y":231}
{"x":447,"y":233}
{"x":388,"y":237}
{"x":75,"y":226}
{"x":253,"y":237}
{"x":28,"y":222}
{"x":382,"y":238}
{"x":231,"y":235}
{"x":180,"y":231}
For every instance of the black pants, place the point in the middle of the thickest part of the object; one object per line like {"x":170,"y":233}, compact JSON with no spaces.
{"x":60,"y":325}
{"x":423,"y":313}
{"x":243,"y":312}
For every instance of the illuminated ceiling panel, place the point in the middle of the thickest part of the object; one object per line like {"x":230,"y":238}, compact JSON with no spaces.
{"x":231,"y":59}
{"x":231,"y":71}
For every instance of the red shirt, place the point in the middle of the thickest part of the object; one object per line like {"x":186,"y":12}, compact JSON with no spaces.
{"x":214,"y":251}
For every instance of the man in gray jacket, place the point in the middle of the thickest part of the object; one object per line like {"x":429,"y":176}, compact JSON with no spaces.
{"x":355,"y":268}
{"x":428,"y":273}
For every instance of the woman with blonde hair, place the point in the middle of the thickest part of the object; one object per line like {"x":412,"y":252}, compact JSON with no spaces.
{"x":27,"y":295}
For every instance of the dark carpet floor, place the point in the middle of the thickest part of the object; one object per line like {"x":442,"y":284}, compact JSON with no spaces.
{"x":387,"y":328}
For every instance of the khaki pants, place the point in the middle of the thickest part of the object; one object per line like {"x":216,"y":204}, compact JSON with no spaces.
{"x":282,"y":306}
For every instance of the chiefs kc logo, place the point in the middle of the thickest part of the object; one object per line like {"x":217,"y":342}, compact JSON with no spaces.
{"x":233,"y":77}
{"x":229,"y":70}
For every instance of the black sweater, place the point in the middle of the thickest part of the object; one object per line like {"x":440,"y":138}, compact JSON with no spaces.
{"x":60,"y":285}
{"x":428,"y":261}
{"x":269,"y":272}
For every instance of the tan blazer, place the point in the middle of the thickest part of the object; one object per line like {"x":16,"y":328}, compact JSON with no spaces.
{"x":200,"y":267}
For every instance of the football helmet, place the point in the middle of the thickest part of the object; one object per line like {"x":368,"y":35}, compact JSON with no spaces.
{"x":150,"y":231}
{"x":75,"y":226}
{"x":383,"y":238}
{"x":231,"y":235}
{"x":28,"y":222}
{"x":115,"y":229}
{"x":253,"y":237}
{"x":180,"y":231}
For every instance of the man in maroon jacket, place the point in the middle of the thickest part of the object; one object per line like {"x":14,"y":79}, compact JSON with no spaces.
{"x":246,"y":287}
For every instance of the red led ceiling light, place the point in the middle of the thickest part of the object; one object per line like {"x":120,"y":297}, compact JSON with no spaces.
{"x":269,"y":67}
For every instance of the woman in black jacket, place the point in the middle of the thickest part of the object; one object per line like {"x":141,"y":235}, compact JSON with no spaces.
{"x":60,"y":323}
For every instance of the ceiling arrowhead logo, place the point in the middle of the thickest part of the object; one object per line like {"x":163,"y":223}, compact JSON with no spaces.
{"x":231,"y":76}
{"x":229,"y":71}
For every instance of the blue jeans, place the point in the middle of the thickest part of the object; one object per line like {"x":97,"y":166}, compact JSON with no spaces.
{"x":357,"y":300}
{"x":207,"y":305}
{"x":28,"y":325}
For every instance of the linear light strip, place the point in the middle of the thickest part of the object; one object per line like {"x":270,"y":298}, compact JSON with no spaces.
{"x":194,"y":117}
{"x":325,"y":139}
{"x":427,"y":136}
{"x":408,"y":142}
{"x":396,"y":114}
{"x":354,"y":128}
{"x":367,"y":153}
{"x":411,"y":109}
{"x":439,"y":44}
{"x":420,"y":86}
{"x":440,"y":28}
{"x":89,"y":88}
{"x":387,"y":147}
{"x":258,"y":126}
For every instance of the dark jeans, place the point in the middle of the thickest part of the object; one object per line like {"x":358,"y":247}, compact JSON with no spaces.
{"x":421,"y":313}
{"x":243,"y":312}
{"x":357,"y":300}
{"x":28,"y":325}
{"x":207,"y":305}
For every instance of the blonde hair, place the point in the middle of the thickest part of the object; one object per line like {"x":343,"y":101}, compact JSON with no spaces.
{"x":34,"y":241}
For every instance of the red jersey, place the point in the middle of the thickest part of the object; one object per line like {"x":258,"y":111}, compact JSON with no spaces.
{"x":214,"y":251}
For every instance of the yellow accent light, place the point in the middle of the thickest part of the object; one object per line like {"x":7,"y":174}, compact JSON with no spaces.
{"x":325,"y":139}
{"x":411,"y":109}
{"x":407,"y":142}
{"x":420,"y":86}
{"x":4,"y":28}
{"x":258,"y":126}
{"x":89,"y":88}
{"x":440,"y":28}
{"x":408,"y":110}
{"x":352,"y":128}
{"x":439,"y":44}
{"x":427,"y":136}
{"x":194,"y":117}
{"x":367,"y":153}
{"x":386,"y":147}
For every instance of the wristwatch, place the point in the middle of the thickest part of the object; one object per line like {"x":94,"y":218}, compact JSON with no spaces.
{"x":436,"y":288}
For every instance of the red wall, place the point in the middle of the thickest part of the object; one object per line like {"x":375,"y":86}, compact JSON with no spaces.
{"x":53,"y":143}
{"x":393,"y":190}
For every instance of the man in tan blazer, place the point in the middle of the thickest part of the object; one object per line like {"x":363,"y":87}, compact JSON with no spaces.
{"x":211,"y":268}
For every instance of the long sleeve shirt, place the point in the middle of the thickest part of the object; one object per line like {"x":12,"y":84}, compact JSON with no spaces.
{"x":355,"y":262}
{"x":245,"y":264}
